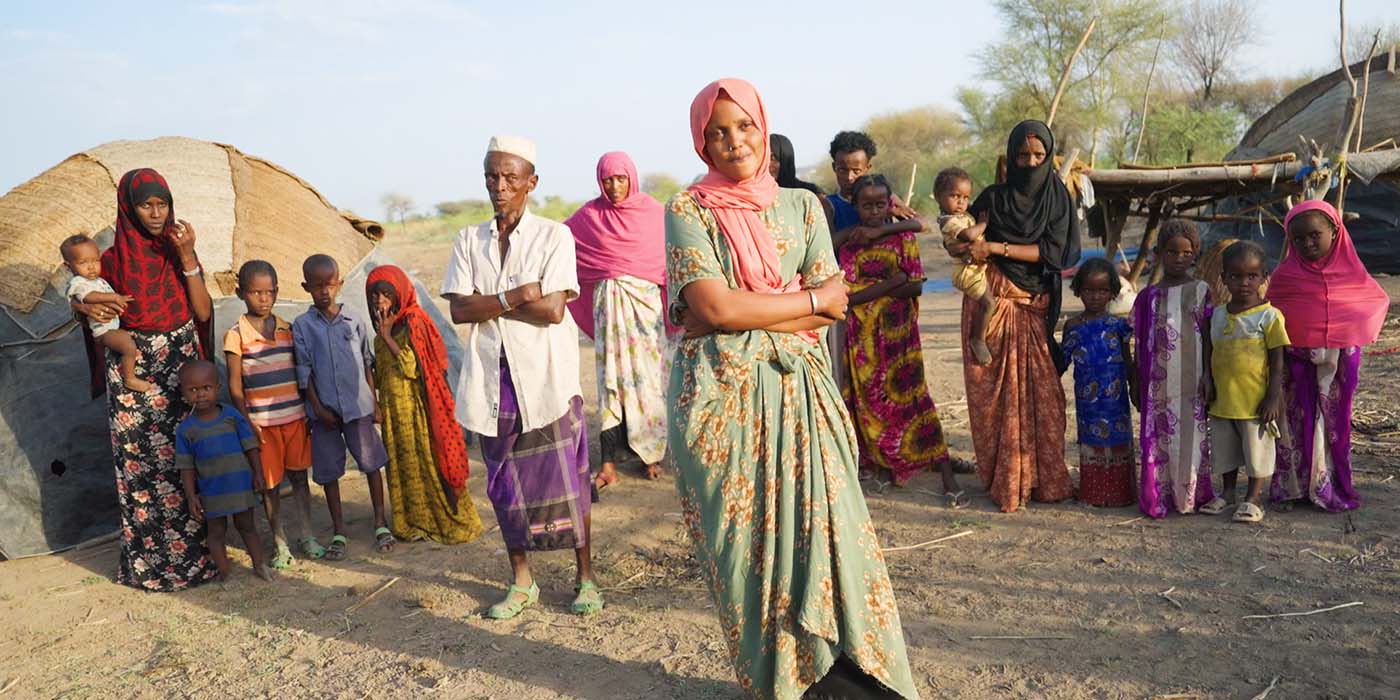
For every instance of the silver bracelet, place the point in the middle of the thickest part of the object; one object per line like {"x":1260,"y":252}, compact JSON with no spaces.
{"x":193,"y":273}
{"x":501,"y":297}
{"x":813,"y":296}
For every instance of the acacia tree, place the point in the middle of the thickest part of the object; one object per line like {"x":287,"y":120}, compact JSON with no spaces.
{"x":1211,"y":36}
{"x":396,"y":206}
{"x":1104,"y":82}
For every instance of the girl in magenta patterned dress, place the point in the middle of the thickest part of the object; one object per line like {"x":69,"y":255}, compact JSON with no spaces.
{"x":896,"y":421}
{"x":1167,"y":322}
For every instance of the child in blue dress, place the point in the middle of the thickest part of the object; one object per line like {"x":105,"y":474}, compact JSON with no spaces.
{"x":1099,"y":346}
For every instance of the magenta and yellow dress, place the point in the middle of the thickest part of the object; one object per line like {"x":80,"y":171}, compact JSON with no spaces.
{"x":896,"y":420}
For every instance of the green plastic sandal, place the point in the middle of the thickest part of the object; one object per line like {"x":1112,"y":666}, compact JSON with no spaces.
{"x":311,"y":548}
{"x":336,"y":552}
{"x":283,"y":559}
{"x":517,"y":599}
{"x":589,"y":599}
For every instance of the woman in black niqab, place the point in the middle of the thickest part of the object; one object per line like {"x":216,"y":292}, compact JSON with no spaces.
{"x":1034,"y":208}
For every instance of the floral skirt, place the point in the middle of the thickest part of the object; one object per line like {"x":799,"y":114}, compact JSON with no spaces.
{"x":162,"y":547}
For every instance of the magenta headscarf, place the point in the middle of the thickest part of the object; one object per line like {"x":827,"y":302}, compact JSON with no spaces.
{"x":1333,"y":302}
{"x":612,"y":240}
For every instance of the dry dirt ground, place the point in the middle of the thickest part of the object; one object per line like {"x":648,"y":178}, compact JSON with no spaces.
{"x":1116,"y":606}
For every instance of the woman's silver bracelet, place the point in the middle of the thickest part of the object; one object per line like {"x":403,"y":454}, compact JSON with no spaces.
{"x":501,"y":297}
{"x":813,"y":296}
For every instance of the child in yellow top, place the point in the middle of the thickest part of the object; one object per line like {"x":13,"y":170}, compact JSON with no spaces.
{"x":1244,"y":382}
{"x":953,"y":190}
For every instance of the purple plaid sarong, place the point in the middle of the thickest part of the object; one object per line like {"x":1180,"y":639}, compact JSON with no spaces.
{"x":538,"y":482}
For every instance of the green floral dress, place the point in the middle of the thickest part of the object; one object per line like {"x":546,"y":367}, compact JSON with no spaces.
{"x":765,"y":455}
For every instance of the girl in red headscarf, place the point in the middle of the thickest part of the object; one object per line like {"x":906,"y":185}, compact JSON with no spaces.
{"x":427,"y":453}
{"x":1331,"y":306}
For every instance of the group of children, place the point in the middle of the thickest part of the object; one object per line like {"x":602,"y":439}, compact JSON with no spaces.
{"x":302,"y":395}
{"x":1207,"y":380}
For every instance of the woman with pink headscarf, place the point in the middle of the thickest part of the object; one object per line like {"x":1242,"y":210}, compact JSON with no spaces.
{"x":1331,"y":306}
{"x":764,"y":449}
{"x":620,"y":242}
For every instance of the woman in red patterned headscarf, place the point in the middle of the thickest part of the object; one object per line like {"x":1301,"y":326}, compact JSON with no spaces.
{"x":427,"y":454}
{"x":152,"y":259}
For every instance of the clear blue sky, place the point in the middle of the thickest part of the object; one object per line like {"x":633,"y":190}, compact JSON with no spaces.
{"x":361,"y":97}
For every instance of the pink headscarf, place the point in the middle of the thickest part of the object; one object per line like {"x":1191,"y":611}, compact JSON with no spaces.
{"x":736,"y":204}
{"x":612,"y":240}
{"x":1329,"y":303}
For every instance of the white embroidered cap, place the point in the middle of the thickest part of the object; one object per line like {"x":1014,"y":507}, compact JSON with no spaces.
{"x":514,"y":145}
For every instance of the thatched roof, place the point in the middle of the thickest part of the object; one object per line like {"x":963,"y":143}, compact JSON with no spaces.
{"x":1315,"y":111}
{"x":243,"y":208}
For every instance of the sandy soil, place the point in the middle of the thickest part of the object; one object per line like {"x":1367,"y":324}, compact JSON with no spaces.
{"x":1123,"y":607}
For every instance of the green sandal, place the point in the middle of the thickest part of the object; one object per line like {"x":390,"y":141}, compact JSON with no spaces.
{"x":311,"y":548}
{"x":517,"y":599}
{"x":336,"y":551}
{"x":589,"y":599}
{"x":384,"y":540}
{"x":283,"y":559}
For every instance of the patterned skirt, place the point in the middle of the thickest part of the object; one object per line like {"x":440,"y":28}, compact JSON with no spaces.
{"x":162,"y":547}
{"x":1106,"y":475}
{"x":538,"y":481}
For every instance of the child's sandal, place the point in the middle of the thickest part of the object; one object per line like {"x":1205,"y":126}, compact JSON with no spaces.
{"x":589,"y":599}
{"x":311,"y":548}
{"x":336,"y":552}
{"x":1216,"y":506}
{"x":283,"y":559}
{"x":384,"y":540}
{"x":517,"y":599}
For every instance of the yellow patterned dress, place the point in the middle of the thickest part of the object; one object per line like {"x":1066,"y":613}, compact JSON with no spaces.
{"x":423,"y":510}
{"x":766,"y":468}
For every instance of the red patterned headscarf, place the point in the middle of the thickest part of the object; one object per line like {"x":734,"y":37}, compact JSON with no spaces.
{"x":448,"y":446}
{"x":145,"y":264}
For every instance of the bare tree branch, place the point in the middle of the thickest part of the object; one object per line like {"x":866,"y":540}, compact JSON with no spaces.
{"x":1212,"y":32}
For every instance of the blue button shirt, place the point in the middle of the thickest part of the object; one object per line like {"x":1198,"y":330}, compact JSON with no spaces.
{"x":334,"y":352}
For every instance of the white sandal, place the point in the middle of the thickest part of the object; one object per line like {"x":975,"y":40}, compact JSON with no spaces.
{"x":1216,"y":506}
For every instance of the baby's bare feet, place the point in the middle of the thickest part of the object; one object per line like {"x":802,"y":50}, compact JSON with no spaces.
{"x":980,"y":352}
{"x":137,"y":384}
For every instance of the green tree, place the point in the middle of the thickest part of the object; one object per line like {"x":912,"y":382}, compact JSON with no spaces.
{"x":660,"y":185}
{"x":930,"y":137}
{"x":1041,"y":37}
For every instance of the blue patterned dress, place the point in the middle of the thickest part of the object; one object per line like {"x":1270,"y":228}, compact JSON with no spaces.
{"x":1095,"y":347}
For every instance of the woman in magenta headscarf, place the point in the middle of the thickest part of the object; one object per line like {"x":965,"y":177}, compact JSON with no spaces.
{"x":620,"y":242}
{"x":764,"y":449}
{"x":1331,"y":306}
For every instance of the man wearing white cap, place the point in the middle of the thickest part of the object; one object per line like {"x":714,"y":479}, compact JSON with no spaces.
{"x":509,"y":281}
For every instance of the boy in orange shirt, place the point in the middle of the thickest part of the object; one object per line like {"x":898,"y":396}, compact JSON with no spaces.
{"x":262,"y":382}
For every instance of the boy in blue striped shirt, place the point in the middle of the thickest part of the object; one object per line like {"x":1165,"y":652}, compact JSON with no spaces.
{"x":220,"y":466}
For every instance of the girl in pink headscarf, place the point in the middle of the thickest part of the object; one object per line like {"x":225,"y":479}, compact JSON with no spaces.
{"x":620,"y":242}
{"x":764,"y":450}
{"x":1331,"y":306}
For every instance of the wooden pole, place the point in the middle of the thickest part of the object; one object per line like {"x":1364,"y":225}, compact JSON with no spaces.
{"x":1354,"y":116}
{"x":1149,"y":239}
{"x":1147,"y":92}
{"x":909,"y":196}
{"x":1064,"y":75}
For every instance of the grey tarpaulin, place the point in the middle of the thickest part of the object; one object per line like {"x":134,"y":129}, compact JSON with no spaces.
{"x":48,"y":424}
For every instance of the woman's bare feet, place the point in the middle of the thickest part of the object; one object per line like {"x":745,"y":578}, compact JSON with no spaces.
{"x":653,"y":471}
{"x":607,"y":476}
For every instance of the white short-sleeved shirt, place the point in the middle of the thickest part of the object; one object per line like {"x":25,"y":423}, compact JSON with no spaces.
{"x":79,"y":287}
{"x":544,"y":363}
